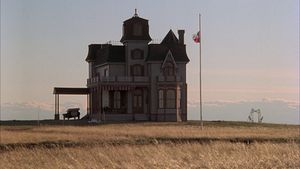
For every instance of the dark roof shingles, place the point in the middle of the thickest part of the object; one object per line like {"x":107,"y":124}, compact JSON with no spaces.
{"x":109,"y":53}
{"x":106,"y":53}
{"x":170,"y":38}
{"x":158,"y":52}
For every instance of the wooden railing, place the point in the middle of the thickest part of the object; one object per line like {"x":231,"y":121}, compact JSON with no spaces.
{"x":168,"y":78}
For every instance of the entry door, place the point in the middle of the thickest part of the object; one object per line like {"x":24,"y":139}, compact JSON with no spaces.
{"x":138,"y":101}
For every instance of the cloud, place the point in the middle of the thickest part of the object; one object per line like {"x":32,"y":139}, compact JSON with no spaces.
{"x":274,"y":111}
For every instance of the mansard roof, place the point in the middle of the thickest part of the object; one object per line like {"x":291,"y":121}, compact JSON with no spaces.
{"x":128,"y":28}
{"x":93,"y":48}
{"x":103,"y":53}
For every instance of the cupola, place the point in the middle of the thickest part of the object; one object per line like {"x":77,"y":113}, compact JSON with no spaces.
{"x":135,"y":28}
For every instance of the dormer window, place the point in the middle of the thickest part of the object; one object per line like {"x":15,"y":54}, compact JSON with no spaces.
{"x":137,"y":29}
{"x":137,"y":54}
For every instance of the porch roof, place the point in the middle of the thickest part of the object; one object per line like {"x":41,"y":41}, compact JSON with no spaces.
{"x":70,"y":91}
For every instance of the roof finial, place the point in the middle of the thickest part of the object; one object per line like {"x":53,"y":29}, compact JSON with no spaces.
{"x":135,"y":13}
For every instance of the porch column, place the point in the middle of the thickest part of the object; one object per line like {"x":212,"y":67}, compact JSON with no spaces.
{"x":56,"y":105}
{"x":129,"y":102}
{"x":100,"y":103}
{"x":88,"y":105}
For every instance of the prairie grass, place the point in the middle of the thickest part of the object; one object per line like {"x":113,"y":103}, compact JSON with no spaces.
{"x":214,"y":155}
{"x":29,"y":134}
{"x":165,"y":154}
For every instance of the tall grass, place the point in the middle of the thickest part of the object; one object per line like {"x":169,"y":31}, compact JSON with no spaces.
{"x":28,"y":134}
{"x":215,"y":155}
{"x":87,"y":153}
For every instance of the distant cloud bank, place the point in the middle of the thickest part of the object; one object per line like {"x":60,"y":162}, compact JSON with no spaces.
{"x":33,"y":110}
{"x":274,"y":111}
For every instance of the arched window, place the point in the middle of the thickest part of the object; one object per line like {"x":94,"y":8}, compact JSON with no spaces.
{"x":137,"y":54}
{"x":169,"y":69}
{"x":137,"y":70}
{"x":170,"y":99}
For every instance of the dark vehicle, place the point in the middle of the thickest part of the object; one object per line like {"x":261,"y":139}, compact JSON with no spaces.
{"x":73,"y":112}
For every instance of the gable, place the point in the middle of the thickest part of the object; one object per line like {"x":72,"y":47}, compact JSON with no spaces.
{"x":169,"y":59}
{"x":158,"y":52}
{"x":170,"y":38}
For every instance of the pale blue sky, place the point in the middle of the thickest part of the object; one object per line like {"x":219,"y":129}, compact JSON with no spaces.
{"x":250,"y":50}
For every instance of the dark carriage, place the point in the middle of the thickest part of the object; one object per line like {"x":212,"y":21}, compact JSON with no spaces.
{"x":72,"y":113}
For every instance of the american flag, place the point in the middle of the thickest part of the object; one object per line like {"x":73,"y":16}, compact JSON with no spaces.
{"x":196,"y":37}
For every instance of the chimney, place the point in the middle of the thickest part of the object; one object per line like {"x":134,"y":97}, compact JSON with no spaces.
{"x":181,"y":36}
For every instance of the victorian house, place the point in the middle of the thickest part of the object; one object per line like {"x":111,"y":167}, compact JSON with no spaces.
{"x":138,"y":80}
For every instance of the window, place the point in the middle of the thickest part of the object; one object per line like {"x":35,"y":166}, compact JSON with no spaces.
{"x":137,"y":54}
{"x":161,"y":99}
{"x":105,"y":72}
{"x":137,"y":70}
{"x":138,"y":99}
{"x":137,"y":29}
{"x":170,"y":99}
{"x":168,"y":69}
{"x":117,"y":99}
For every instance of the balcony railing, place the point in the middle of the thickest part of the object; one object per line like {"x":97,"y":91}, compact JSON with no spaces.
{"x":131,"y":79}
{"x":116,"y":79}
{"x":168,"y":78}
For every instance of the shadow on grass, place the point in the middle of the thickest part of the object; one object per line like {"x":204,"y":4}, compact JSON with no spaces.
{"x":146,"y":141}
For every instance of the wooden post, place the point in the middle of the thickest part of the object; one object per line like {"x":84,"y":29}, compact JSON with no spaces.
{"x":87,"y":105}
{"x":56,"y":116}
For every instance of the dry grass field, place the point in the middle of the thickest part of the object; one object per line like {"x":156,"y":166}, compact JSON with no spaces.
{"x":151,"y":145}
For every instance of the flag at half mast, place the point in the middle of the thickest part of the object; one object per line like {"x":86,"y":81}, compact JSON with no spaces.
{"x":196,"y":37}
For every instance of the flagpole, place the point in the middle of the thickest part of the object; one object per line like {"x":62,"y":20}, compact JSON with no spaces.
{"x":200,"y":73}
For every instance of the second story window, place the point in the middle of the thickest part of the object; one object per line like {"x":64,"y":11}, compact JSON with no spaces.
{"x":137,"y":70}
{"x":169,"y":69}
{"x":137,"y":54}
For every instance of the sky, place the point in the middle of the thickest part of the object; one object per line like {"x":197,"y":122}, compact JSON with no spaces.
{"x":250,"y":53}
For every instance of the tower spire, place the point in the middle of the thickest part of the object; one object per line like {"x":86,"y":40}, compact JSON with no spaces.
{"x":135,"y":13}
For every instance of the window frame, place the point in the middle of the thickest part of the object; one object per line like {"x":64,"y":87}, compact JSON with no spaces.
{"x":134,"y":55}
{"x":161,"y":99}
{"x":169,"y":69}
{"x":133,"y":70}
{"x":137,"y":101}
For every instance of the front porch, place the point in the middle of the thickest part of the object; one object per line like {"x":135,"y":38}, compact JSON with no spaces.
{"x":119,"y":103}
